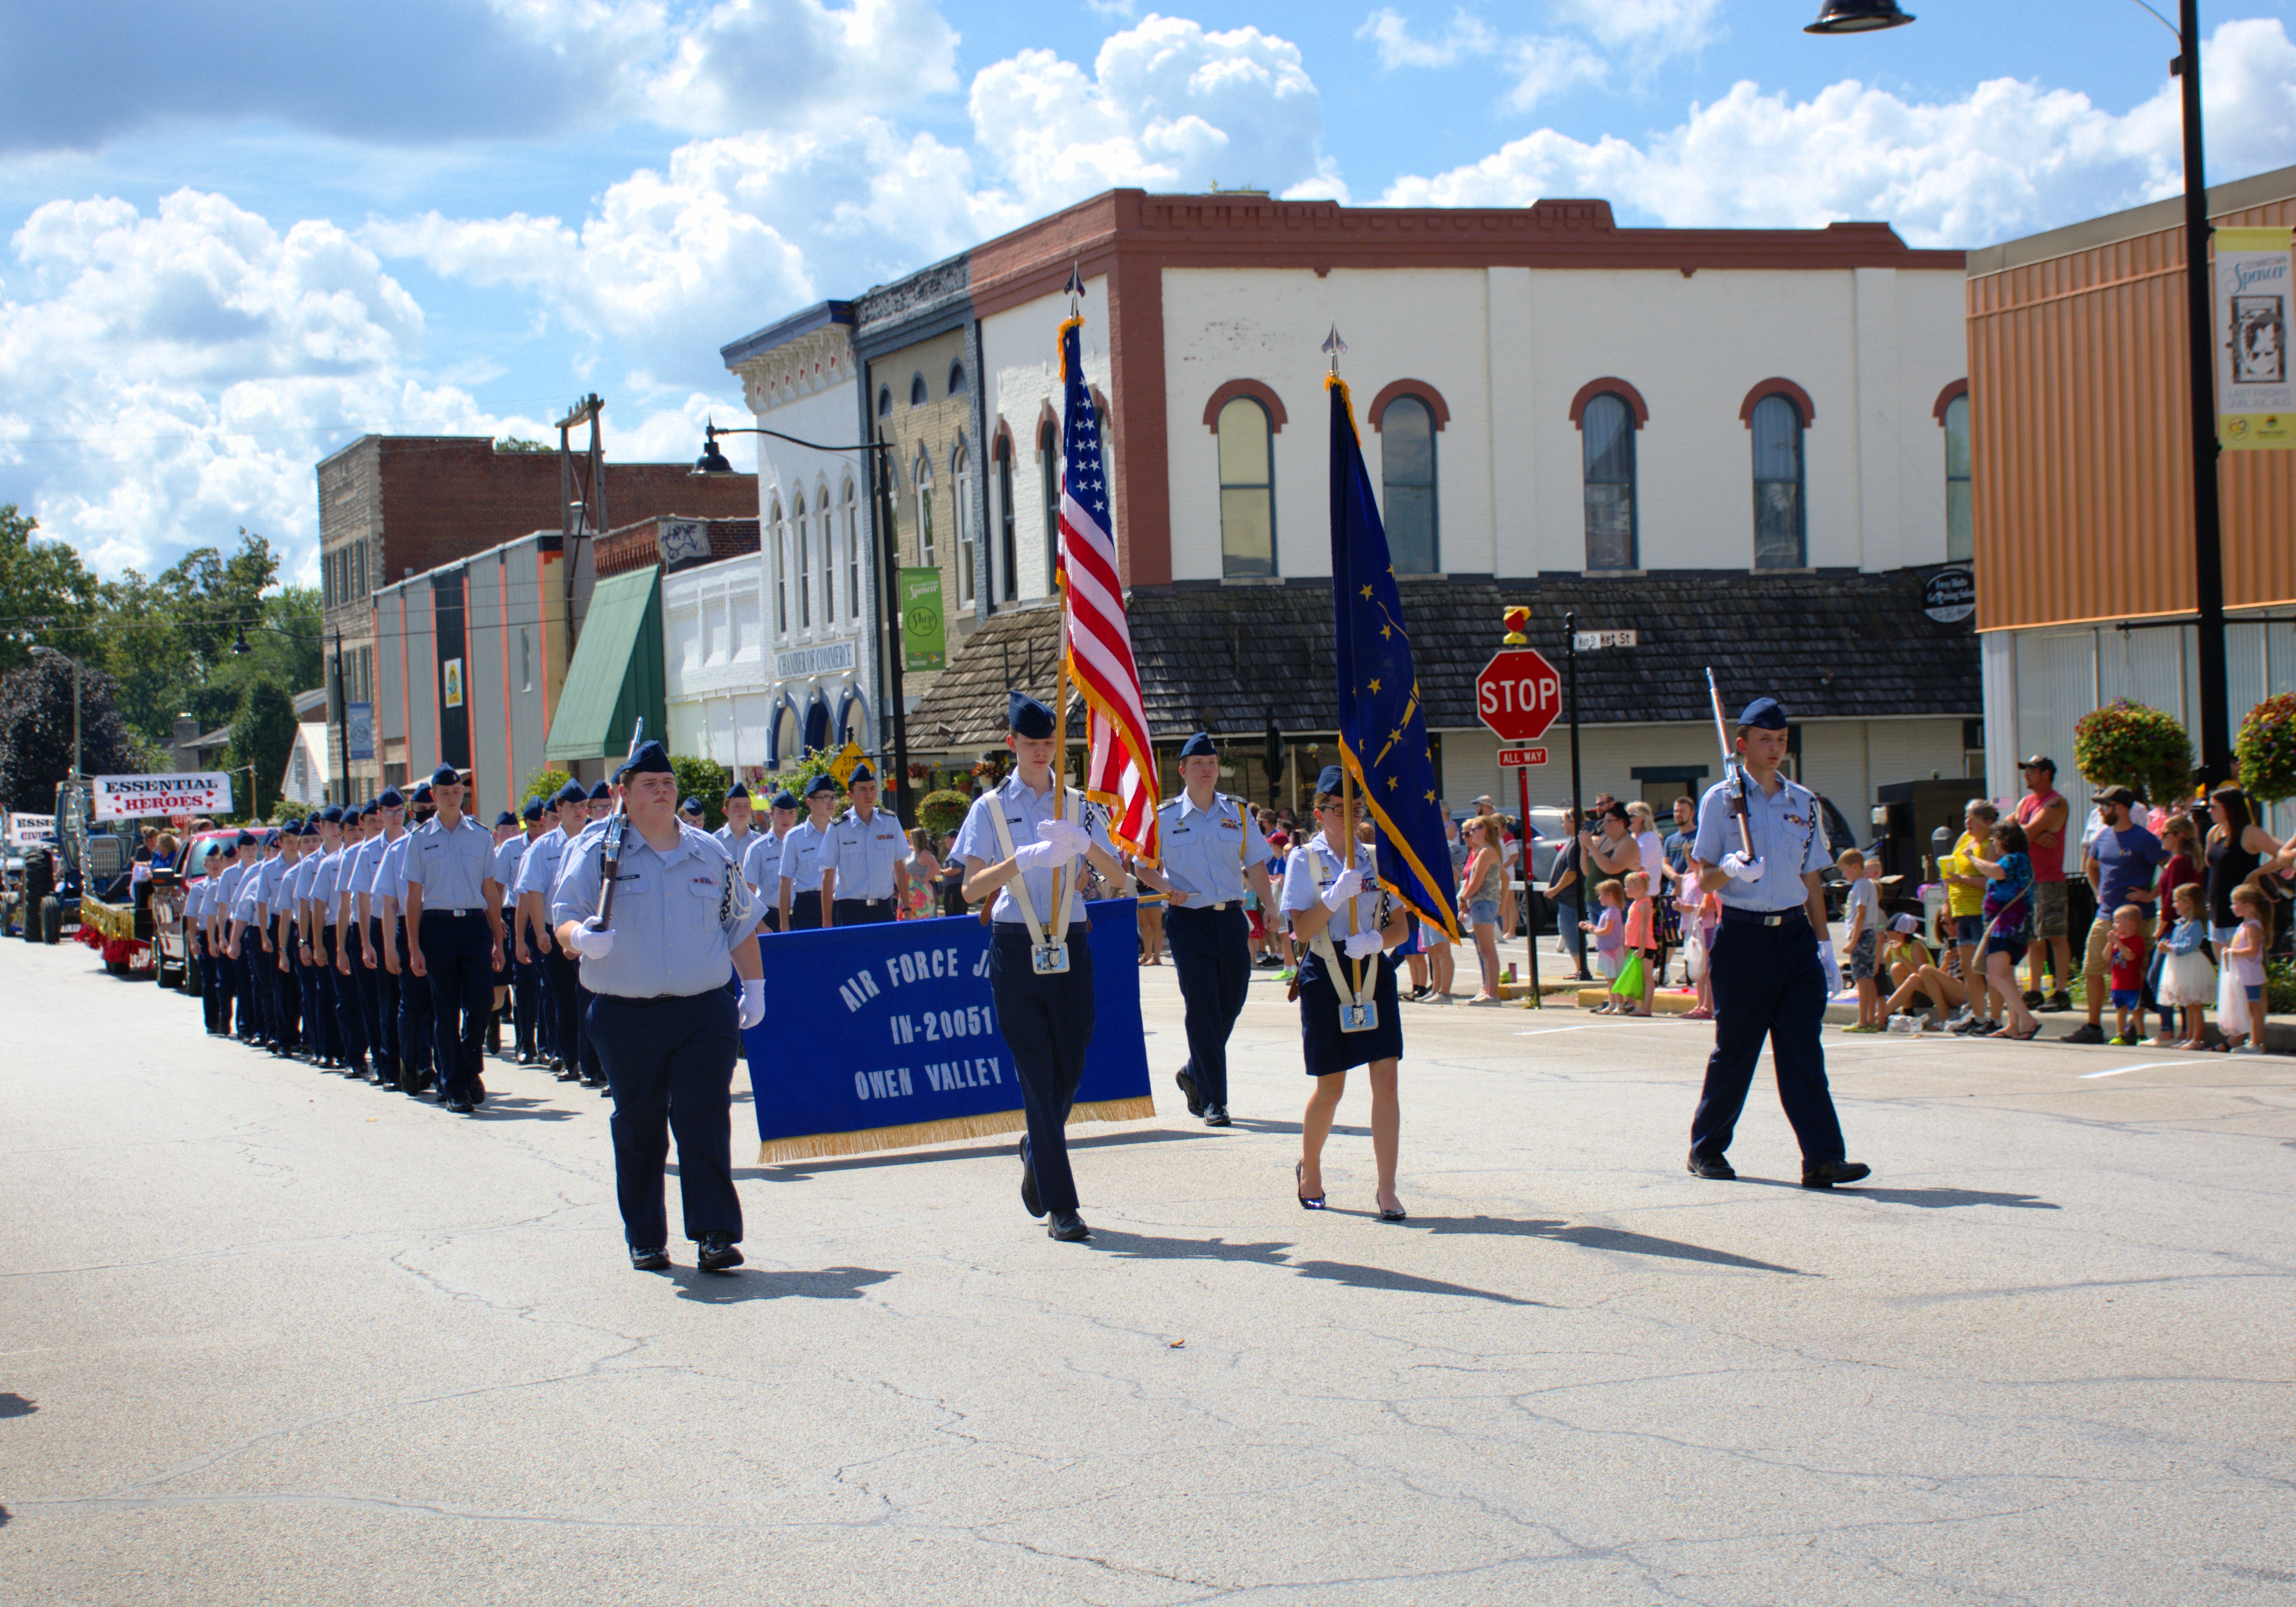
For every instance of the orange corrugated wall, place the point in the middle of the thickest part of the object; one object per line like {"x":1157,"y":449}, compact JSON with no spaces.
{"x":2079,"y":432}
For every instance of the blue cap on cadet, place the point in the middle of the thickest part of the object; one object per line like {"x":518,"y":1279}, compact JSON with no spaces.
{"x":861,"y":773}
{"x":1329,"y":784}
{"x":737,"y":791}
{"x":533,"y":811}
{"x":445,"y":775}
{"x":572,"y":792}
{"x":1764,"y":714}
{"x":246,"y":841}
{"x":1199,"y":746}
{"x":506,"y":819}
{"x":691,"y":806}
{"x":823,"y":782}
{"x":785,"y":800}
{"x":1027,"y":716}
{"x":374,"y":806}
{"x":650,"y":759}
{"x":391,"y":798}
{"x":600,"y":793}
{"x":332,"y":814}
{"x":422,"y":792}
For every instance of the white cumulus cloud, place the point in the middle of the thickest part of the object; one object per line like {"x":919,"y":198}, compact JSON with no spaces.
{"x":1399,"y":46}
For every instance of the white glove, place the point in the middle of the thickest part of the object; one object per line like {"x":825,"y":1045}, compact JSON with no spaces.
{"x":1363,"y":945}
{"x":1738,"y":868}
{"x":1057,"y":841}
{"x":753,"y":1001}
{"x":592,"y":941}
{"x":1349,"y":884}
{"x":1831,"y":964}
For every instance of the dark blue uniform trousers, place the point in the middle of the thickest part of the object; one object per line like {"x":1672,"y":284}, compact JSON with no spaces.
{"x":565,"y":973}
{"x":415,"y":1044}
{"x":1766,"y":984}
{"x":458,"y":955}
{"x":311,"y":996}
{"x":378,"y":1006}
{"x":525,"y":989}
{"x":1046,"y":1022}
{"x":350,"y":990}
{"x":286,"y":992}
{"x":671,"y":1064}
{"x":1211,"y":947}
{"x":254,"y":993}
{"x":203,"y":977}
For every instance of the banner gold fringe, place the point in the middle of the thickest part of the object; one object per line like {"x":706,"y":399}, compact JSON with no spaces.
{"x":816,"y":1146}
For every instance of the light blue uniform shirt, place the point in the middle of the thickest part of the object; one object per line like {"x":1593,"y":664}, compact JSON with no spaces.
{"x":509,"y":854}
{"x":738,"y":850}
{"x":390,"y":871}
{"x":761,"y":864}
{"x":1789,"y":839}
{"x":1024,"y":809}
{"x":806,"y":855}
{"x":306,"y":876}
{"x":538,"y":873}
{"x":1303,"y":888}
{"x":195,"y":900}
{"x":259,"y":893}
{"x":1206,"y":850}
{"x":450,"y":867}
{"x":222,"y":890}
{"x":358,"y":875}
{"x":867,"y":851}
{"x":676,"y":916}
{"x":327,"y":883}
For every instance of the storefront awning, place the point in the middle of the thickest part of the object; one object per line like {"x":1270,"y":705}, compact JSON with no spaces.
{"x":616,"y":675}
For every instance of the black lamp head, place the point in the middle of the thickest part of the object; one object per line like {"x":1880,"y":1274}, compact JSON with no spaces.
{"x":711,"y":461}
{"x":1858,"y":17}
{"x":241,"y":647}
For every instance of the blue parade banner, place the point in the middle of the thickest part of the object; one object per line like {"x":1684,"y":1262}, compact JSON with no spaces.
{"x":878,"y":1037}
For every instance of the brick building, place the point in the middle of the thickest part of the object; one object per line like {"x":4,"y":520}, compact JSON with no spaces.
{"x":393,"y":507}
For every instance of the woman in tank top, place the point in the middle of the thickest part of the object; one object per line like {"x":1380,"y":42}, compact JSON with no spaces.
{"x":2236,"y":846}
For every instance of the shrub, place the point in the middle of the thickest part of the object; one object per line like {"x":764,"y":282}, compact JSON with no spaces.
{"x":707,"y":779}
{"x":2267,"y":750}
{"x":942,"y":812}
{"x":2126,"y":744}
{"x":546,"y":782}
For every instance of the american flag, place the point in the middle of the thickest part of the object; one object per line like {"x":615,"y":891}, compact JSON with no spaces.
{"x":1121,"y":767}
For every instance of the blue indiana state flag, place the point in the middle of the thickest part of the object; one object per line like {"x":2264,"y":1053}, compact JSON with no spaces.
{"x":1383,"y":728}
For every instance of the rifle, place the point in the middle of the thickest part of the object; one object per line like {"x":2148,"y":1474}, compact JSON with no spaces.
{"x":616,"y":823}
{"x":1731,"y":768}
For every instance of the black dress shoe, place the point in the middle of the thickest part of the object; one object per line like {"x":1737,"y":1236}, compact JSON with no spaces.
{"x":656,"y":1260}
{"x":1825,"y":1174}
{"x":568,"y":1074}
{"x":1068,"y":1227}
{"x":526,"y":1057}
{"x":1188,"y":1089}
{"x":462,"y":1107}
{"x":717,"y":1253}
{"x":1215,"y":1116}
{"x":1031,"y":1202}
{"x":1713,"y":1167}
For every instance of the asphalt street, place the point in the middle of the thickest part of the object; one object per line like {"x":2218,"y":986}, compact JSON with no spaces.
{"x":266,"y":1336}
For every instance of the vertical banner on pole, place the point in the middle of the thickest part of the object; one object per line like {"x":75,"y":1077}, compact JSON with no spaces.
{"x":2256,"y":394}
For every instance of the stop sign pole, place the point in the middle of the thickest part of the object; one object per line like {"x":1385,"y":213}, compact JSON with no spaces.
{"x":1515,"y":618}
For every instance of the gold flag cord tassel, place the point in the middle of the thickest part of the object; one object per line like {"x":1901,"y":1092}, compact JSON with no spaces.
{"x":817,"y":1146}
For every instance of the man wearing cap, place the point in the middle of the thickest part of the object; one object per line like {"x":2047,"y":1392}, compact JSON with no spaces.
{"x":338,"y":911}
{"x":1019,"y":844}
{"x":454,"y":936}
{"x":510,"y":846}
{"x":870,"y":854}
{"x":251,"y":938}
{"x":540,"y":819}
{"x":561,"y":1033}
{"x":386,"y":819}
{"x":416,"y":1044}
{"x":222,"y":969}
{"x":808,"y":873}
{"x":2123,"y":861}
{"x":1211,"y":852}
{"x":740,"y":823}
{"x":601,"y":803}
{"x":1772,"y":964}
{"x":761,"y":856}
{"x":319,"y":1001}
{"x":279,"y":894}
{"x":2043,"y":813}
{"x":666,"y":1028}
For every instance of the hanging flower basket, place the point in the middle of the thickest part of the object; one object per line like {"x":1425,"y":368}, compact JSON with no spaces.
{"x":2267,"y":749}
{"x":2126,"y":744}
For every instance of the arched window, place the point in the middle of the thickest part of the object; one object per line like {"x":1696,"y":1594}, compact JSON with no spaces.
{"x":802,"y":537}
{"x":1607,"y":423}
{"x":917,"y":393}
{"x":884,"y":401}
{"x":780,"y":538}
{"x":1780,"y":522}
{"x":1048,"y":461}
{"x":959,"y":472}
{"x":956,"y":378}
{"x":821,"y":519}
{"x":1960,"y":532}
{"x":1247,"y":488}
{"x":923,"y":477}
{"x":1407,"y":472}
{"x":849,"y":506}
{"x":1008,"y":546}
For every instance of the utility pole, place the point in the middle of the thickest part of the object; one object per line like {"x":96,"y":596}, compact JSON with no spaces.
{"x":582,"y":504}
{"x":2199,"y":314}
{"x":880,"y":468}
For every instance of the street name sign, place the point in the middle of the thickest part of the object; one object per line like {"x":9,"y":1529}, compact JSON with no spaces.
{"x":1515,"y":759}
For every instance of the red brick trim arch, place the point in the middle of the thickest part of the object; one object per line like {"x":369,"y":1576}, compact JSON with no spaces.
{"x":1233,"y":389}
{"x":1419,"y":387}
{"x":1000,"y":440}
{"x":1776,"y":387}
{"x":1611,"y":385}
{"x":1046,"y":416}
{"x":1946,"y":397}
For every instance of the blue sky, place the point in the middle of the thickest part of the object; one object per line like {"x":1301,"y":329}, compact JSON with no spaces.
{"x":241,"y":234}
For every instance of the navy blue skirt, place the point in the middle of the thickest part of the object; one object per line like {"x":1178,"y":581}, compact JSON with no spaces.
{"x":1326,"y":1047}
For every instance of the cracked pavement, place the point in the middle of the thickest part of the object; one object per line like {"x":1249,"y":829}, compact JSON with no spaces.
{"x":267,"y":1336}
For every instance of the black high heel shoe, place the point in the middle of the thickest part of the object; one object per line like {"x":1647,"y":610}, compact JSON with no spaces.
{"x":1299,"y":1175}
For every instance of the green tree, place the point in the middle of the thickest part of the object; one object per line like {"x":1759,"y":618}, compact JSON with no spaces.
{"x":262,"y":736}
{"x":707,"y":779}
{"x":46,"y":595}
{"x":36,"y":733}
{"x":546,"y":782}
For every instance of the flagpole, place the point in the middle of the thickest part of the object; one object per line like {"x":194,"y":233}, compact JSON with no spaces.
{"x":1061,"y":584}
{"x":1333,"y":346}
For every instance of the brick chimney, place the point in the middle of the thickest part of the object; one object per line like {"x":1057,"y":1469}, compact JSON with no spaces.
{"x":186,"y":734}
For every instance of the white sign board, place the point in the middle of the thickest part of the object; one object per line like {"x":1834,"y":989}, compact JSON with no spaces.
{"x":25,"y":830}
{"x":134,"y":797}
{"x":1589,"y":641}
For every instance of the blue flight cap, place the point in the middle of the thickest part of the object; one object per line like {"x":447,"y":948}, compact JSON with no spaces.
{"x":785,"y":800}
{"x":861,"y":773}
{"x":737,"y":791}
{"x":333,"y":814}
{"x":508,"y":819}
{"x":534,"y":810}
{"x":649,"y":760}
{"x":570,"y":793}
{"x":1764,"y":714}
{"x":246,"y":841}
{"x":823,"y":782}
{"x":600,"y":793}
{"x":1329,"y":784}
{"x":374,"y":806}
{"x":1199,"y":746}
{"x":689,"y":806}
{"x":422,"y":792}
{"x":1027,"y":716}
{"x":391,"y":798}
{"x":445,"y":775}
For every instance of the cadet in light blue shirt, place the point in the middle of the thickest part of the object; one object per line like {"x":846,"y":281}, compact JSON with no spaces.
{"x":562,"y":998}
{"x":873,"y":880}
{"x":1773,"y":965}
{"x":810,"y":861}
{"x":454,"y":936}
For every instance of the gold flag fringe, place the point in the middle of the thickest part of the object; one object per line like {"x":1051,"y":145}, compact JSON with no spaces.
{"x":816,"y":1146}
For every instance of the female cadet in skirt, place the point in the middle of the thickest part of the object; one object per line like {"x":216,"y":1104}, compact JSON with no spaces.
{"x":1346,"y":992}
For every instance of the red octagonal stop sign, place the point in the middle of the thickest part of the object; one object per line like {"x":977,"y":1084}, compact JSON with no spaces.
{"x":1518,"y":694}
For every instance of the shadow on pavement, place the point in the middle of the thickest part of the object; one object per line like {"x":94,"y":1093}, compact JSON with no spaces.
{"x":797,"y":1171}
{"x":1254,"y":1124}
{"x":511,"y":1109}
{"x":12,"y":1405}
{"x":1142,"y":1246}
{"x":750,"y":1283}
{"x":1612,"y":1239}
{"x":1925,"y":1199}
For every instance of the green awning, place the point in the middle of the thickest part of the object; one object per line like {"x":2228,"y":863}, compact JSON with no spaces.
{"x":616,"y":675}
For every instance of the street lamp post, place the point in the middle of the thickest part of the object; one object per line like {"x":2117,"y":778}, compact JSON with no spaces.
{"x":1862,"y":16}
{"x":877,"y":463}
{"x":50,"y":652}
